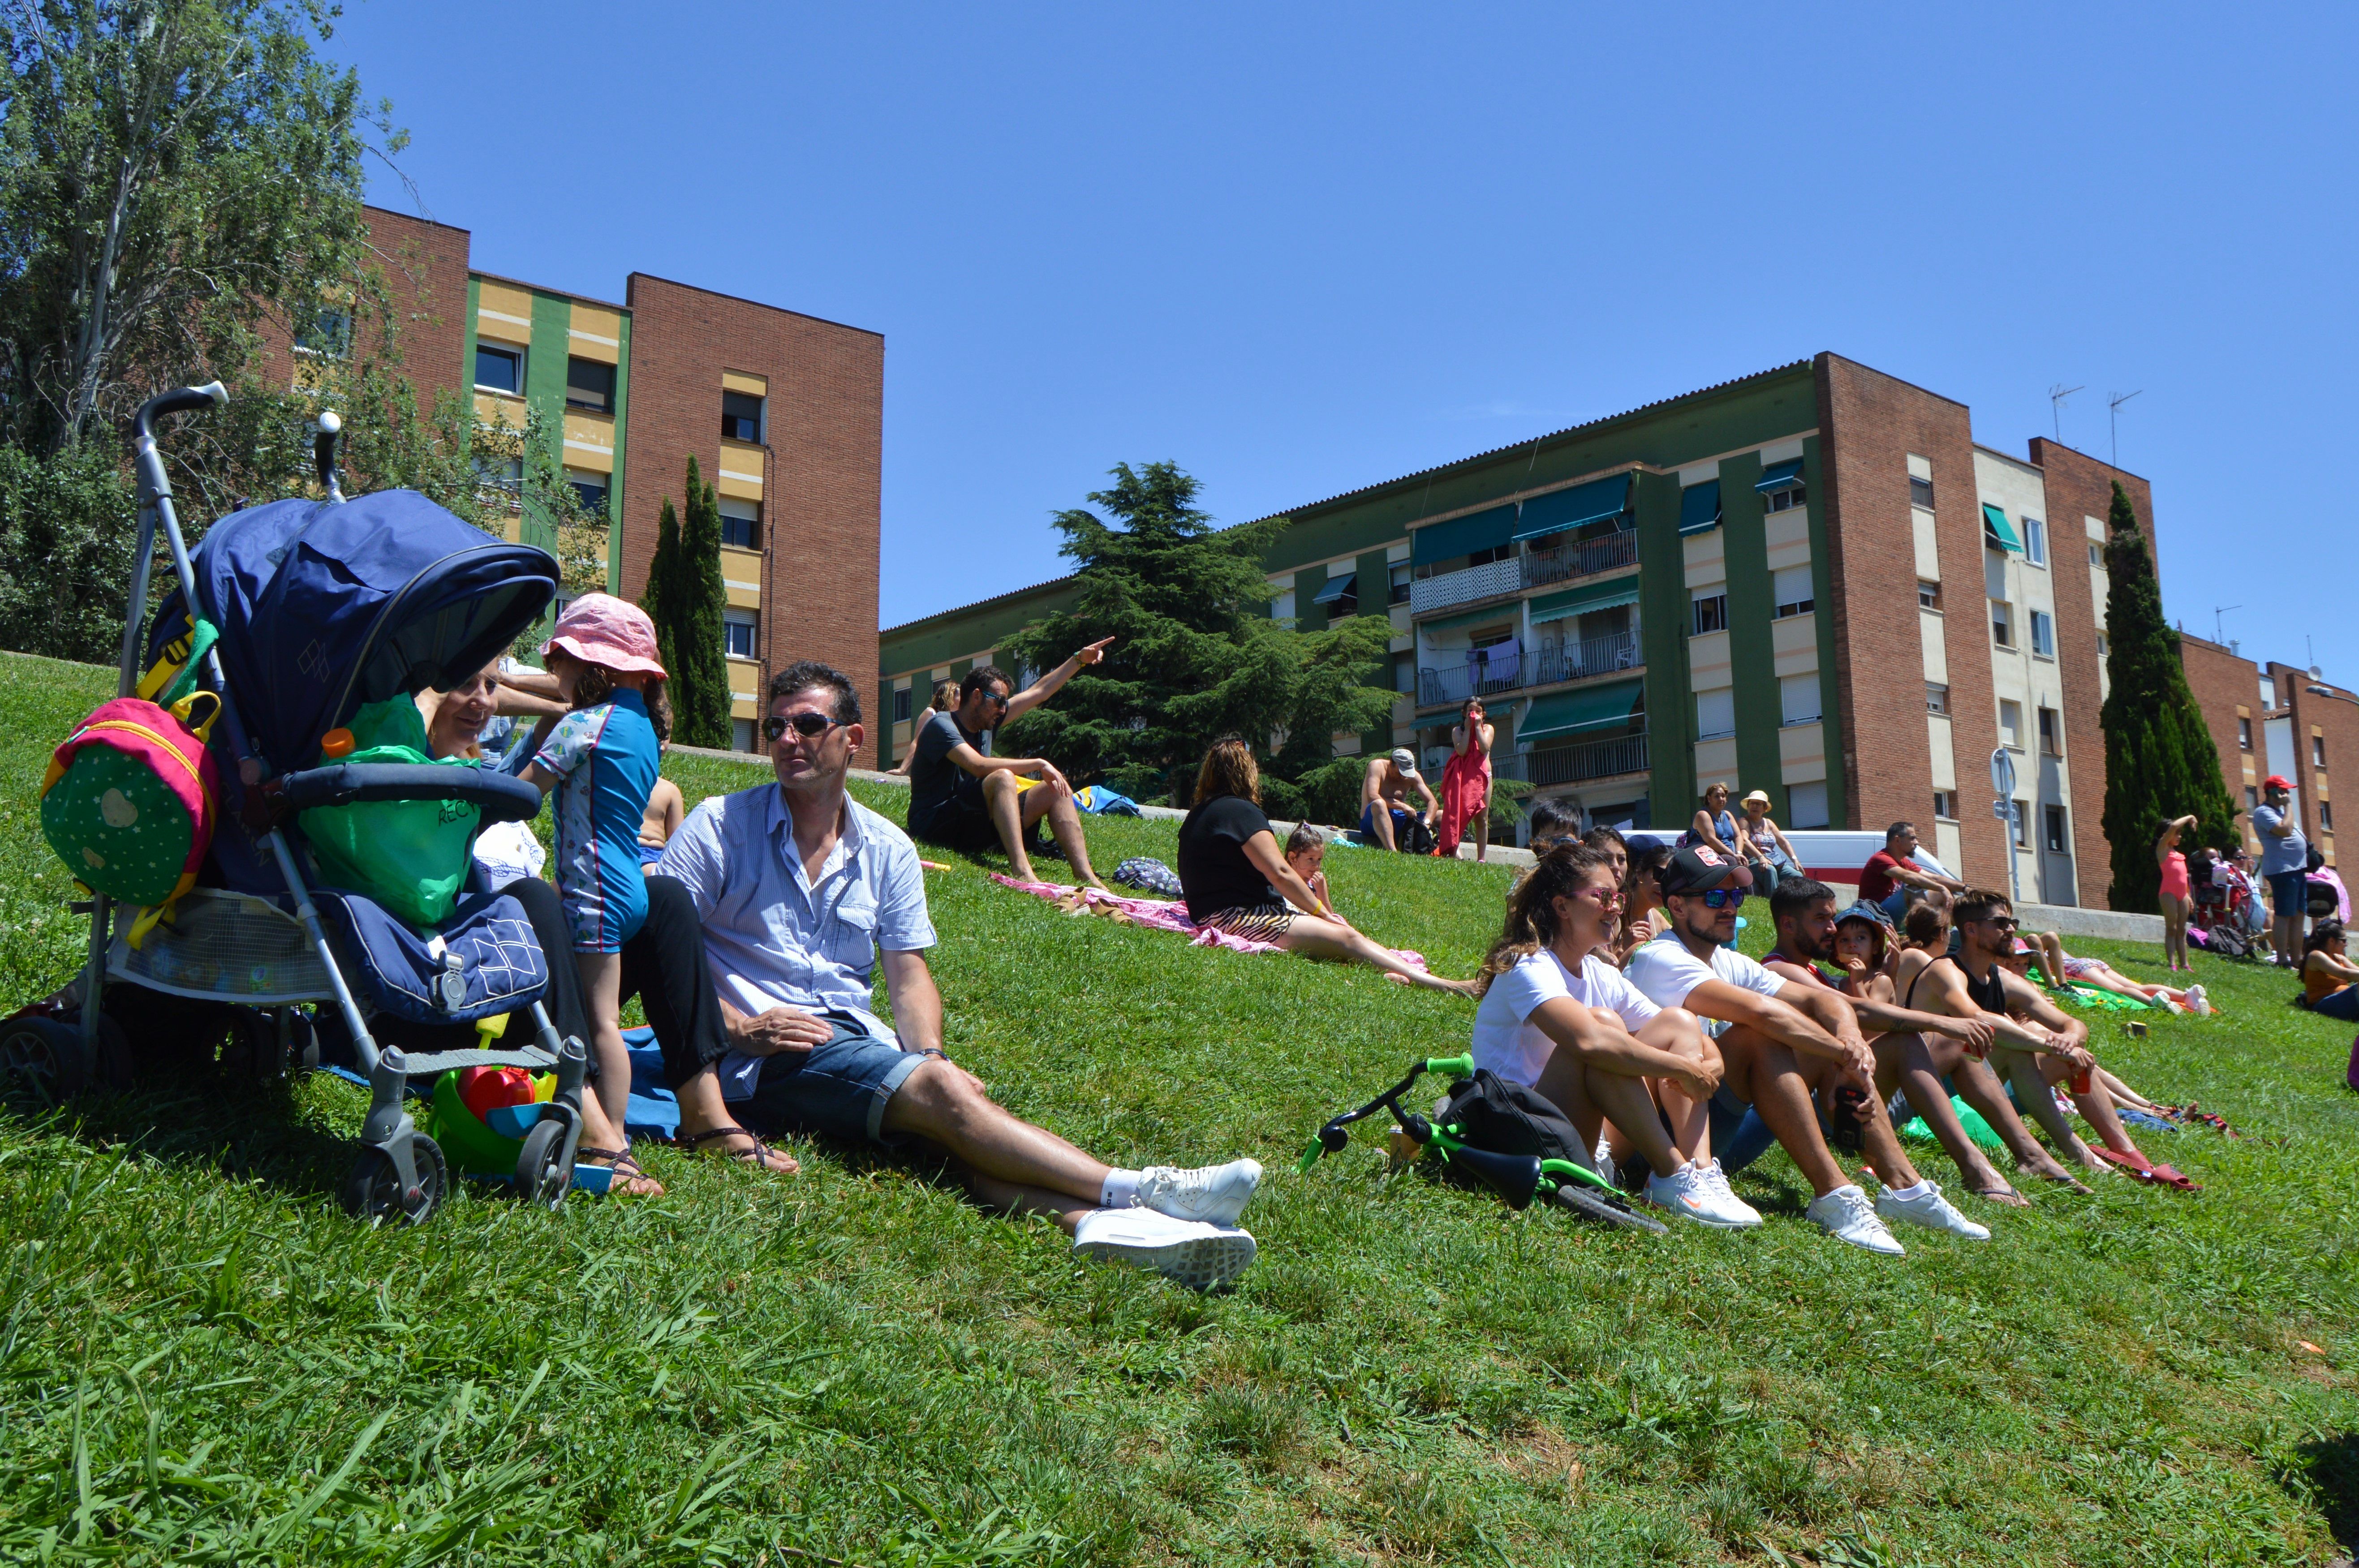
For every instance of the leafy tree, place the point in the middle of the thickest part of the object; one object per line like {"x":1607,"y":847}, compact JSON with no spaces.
{"x":2160,"y":761}
{"x":170,"y":173}
{"x":700,"y":680}
{"x":656,"y":599}
{"x":68,"y":526}
{"x":1196,"y":654}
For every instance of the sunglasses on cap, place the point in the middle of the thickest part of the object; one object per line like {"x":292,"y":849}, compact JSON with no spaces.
{"x":807,"y":725}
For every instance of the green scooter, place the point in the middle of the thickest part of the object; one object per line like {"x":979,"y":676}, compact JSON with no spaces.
{"x":1518,"y":1178}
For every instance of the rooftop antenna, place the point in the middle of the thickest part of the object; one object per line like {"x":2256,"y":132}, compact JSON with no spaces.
{"x":2113,"y":422}
{"x":2056,"y":396}
{"x":2217,"y":612}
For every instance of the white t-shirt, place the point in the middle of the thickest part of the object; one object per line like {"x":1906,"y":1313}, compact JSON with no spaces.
{"x":1516,"y":1049}
{"x":1665,"y":971}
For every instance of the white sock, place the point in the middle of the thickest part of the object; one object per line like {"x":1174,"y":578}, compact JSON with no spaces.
{"x":1914,"y":1190}
{"x":1121,"y":1190}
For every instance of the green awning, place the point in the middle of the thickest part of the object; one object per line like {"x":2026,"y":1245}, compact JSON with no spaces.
{"x":1610,"y":594}
{"x":1700,"y":507}
{"x":1335,"y":588}
{"x":1561,"y":508}
{"x":1497,"y":615}
{"x":1996,"y":530}
{"x":1573,"y":712}
{"x":1779,"y":476}
{"x":1463,"y":535}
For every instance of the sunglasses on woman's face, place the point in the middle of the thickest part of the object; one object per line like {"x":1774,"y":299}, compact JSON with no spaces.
{"x":809,"y":726}
{"x":1604,"y":897}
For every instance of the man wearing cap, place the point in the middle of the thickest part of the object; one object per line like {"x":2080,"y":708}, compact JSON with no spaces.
{"x":1915,"y":1047}
{"x":1383,"y":817}
{"x":1779,"y":1044}
{"x":804,"y":892}
{"x":2285,"y":866}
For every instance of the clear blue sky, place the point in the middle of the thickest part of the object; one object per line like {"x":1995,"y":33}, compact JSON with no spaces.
{"x":1298,"y":251}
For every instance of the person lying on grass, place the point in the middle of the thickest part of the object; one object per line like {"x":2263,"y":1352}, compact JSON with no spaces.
{"x":803,"y":892}
{"x":2019,"y":962}
{"x":2038,"y":1047}
{"x":1237,"y":881}
{"x":1781,"y":1043}
{"x":1560,"y":1019}
{"x":2062,"y":969}
{"x":1914,"y":1050}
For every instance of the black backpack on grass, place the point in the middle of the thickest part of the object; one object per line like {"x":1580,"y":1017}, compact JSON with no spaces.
{"x":1509,"y":1119}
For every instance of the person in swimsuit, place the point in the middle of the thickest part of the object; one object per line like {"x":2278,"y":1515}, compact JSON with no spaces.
{"x":2177,"y":895}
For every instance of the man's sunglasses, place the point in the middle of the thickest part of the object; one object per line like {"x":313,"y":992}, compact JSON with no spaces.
{"x":1000,"y":697}
{"x":1725,"y":898}
{"x":2002,"y":922}
{"x":807,"y":725}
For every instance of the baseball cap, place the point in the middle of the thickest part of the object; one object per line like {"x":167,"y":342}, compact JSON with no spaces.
{"x":1404,"y":758}
{"x":600,"y":629}
{"x":1700,"y":868}
{"x":2278,"y":781}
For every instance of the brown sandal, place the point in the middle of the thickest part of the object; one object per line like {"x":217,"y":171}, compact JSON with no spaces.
{"x":756,"y":1153}
{"x":626,"y":1169}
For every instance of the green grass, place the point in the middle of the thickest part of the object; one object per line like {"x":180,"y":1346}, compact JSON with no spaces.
{"x":201,"y":1359}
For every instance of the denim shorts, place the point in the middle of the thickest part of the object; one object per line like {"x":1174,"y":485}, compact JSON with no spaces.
{"x":2288,"y":892}
{"x":838,"y":1089}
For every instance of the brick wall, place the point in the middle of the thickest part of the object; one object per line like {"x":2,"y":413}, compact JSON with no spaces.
{"x":2223,"y":682}
{"x":424,"y":268}
{"x":2080,"y":487}
{"x":821,"y":485}
{"x":1869,"y":423}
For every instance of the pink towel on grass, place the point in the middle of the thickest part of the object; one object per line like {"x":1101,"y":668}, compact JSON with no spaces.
{"x":1166,"y":916}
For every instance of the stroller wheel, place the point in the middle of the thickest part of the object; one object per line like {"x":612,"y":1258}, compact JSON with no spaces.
{"x":1612,"y":1211}
{"x":543,"y":1173}
{"x":47,"y":1057}
{"x":373,"y":1190}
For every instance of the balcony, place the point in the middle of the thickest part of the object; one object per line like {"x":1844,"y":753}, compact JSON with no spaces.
{"x":1501,"y":667}
{"x":1489,"y":580}
{"x":1578,"y":661}
{"x":1581,"y":558}
{"x":1606,"y":759}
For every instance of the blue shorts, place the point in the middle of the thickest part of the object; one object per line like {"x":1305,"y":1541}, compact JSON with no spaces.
{"x":838,"y":1089}
{"x":1368,"y":818}
{"x":2289,"y":892}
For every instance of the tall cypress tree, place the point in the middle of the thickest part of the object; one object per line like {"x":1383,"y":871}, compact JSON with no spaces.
{"x":2160,"y":762}
{"x":658,"y":598}
{"x":700,"y":679}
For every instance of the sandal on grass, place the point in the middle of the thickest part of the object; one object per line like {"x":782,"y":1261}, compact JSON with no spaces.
{"x":613,"y":1173}
{"x":2003,"y":1193}
{"x":755,"y":1153}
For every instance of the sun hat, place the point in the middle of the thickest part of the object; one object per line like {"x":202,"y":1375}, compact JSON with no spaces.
{"x":1862,"y":910}
{"x":599,"y":629}
{"x":1698,"y":868}
{"x":1760,"y":794}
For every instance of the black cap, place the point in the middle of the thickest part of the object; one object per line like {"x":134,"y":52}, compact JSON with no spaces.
{"x":1700,"y":868}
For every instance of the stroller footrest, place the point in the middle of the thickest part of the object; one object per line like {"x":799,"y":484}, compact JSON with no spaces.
{"x":423,"y":1064}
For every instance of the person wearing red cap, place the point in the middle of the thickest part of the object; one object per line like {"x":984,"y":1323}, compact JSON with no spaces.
{"x":2285,"y":866}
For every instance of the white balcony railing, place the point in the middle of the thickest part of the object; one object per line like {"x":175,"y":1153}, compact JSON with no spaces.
{"x":1488,"y":580}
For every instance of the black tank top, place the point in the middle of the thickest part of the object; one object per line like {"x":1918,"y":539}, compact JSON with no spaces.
{"x":1989,"y":993}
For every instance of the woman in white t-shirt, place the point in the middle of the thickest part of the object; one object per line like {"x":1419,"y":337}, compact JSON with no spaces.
{"x":1562,"y":1021}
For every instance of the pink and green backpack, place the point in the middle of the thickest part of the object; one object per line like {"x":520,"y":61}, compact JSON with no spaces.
{"x":129,"y":802}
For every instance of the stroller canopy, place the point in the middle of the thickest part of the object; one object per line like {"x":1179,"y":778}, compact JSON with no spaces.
{"x":325,"y":606}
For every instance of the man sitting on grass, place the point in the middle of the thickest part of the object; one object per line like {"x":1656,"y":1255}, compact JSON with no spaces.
{"x":1892,"y":875}
{"x":1914,"y":1050}
{"x":1779,"y":1044}
{"x":964,"y":798}
{"x":801,"y":889}
{"x":1384,"y":816}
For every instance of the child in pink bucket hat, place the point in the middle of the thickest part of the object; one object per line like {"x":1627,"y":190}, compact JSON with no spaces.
{"x":602,"y":760}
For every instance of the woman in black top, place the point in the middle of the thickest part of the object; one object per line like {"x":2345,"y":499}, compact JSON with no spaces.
{"x":1237,"y":881}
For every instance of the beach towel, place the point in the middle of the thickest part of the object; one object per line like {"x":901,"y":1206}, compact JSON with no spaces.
{"x":1156,"y":914}
{"x":1465,"y":790}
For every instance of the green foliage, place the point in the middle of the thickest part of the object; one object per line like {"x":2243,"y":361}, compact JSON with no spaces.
{"x":2160,"y":759}
{"x":171,"y":174}
{"x":696,"y":597}
{"x":658,"y":597}
{"x":68,"y":527}
{"x":1196,"y":655}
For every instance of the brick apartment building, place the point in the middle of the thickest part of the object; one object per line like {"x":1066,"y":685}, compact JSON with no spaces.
{"x":2276,"y":718}
{"x":783,"y":412}
{"x":1811,"y":581}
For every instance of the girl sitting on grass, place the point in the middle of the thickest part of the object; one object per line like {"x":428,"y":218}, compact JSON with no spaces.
{"x":1306,"y":852}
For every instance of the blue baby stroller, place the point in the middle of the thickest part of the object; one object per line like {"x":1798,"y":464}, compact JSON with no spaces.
{"x":316,"y":609}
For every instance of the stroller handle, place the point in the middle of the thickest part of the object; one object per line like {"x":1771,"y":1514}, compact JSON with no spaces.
{"x":180,"y":400}
{"x":498,"y":796}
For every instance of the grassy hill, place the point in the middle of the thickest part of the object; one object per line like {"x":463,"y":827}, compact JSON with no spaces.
{"x":204,"y":1360}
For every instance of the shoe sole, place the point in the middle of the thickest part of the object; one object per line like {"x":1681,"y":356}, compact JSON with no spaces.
{"x":1897,"y":1250}
{"x":1199,"y":1263}
{"x":1932,"y":1225}
{"x":1704,"y":1220}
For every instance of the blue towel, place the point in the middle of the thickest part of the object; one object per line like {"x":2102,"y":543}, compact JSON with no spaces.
{"x":653,"y":1110}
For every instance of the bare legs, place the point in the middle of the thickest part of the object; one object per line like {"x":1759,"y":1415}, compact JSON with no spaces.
{"x":1915,"y":1064}
{"x":602,"y":1109}
{"x":1011,"y":1165}
{"x":1482,"y":825}
{"x":2174,"y":932}
{"x":1781,"y":1088}
{"x":1380,"y":822}
{"x":1013,"y":810}
{"x":1317,"y":939}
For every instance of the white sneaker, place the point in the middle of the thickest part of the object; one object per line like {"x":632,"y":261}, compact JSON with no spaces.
{"x":1847,"y":1215}
{"x":1727,"y":1195}
{"x":1200,"y":1257}
{"x":1690,"y":1191}
{"x":1216,"y":1194}
{"x":2197,"y":1002}
{"x":1931,"y":1210}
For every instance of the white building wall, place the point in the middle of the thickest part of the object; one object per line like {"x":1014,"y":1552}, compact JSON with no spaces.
{"x":2025,"y":677}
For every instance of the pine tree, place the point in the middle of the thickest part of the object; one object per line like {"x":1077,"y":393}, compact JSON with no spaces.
{"x":657,"y":597}
{"x":2160,"y":761}
{"x":700,"y":679}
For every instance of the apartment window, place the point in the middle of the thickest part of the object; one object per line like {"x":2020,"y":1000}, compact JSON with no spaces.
{"x":1710,"y":610}
{"x":2104,"y":647}
{"x":2243,"y":734}
{"x":590,"y":384}
{"x":589,"y":488}
{"x":1805,"y":804}
{"x":2051,"y":731}
{"x":2252,"y":797}
{"x":1945,"y":805}
{"x":2043,"y":633}
{"x":1920,"y":493}
{"x":1405,"y":671}
{"x":1789,"y":590}
{"x":741,"y":524}
{"x":2035,"y":541}
{"x":741,"y":417}
{"x":330,"y":334}
{"x":2325,"y":816}
{"x":1937,"y":697}
{"x":1495,"y":553}
{"x":499,"y":369}
{"x":1397,"y":579}
{"x":2022,"y":825}
{"x":2010,"y":724}
{"x":1929,"y":594}
{"x":2002,"y":623}
{"x":2097,"y":558}
{"x":1785,"y":500}
{"x":2268,"y":691}
{"x":737,"y":633}
{"x":501,"y":474}
{"x":2055,"y":829}
{"x":2318,"y":751}
{"x":901,"y":705}
{"x":1797,"y":698}
{"x":1715,"y":713}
